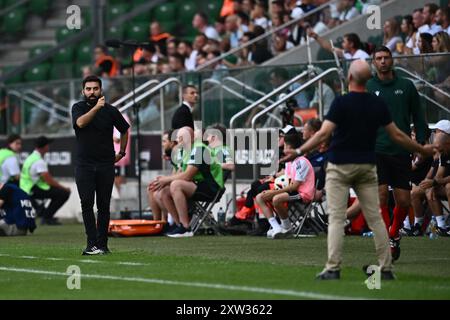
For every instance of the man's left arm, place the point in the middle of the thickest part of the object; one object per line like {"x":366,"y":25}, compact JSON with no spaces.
{"x":418,"y":115}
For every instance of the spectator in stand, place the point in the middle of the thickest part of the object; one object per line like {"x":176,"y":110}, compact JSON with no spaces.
{"x":176,"y":62}
{"x":258,"y":15}
{"x":172,"y":46}
{"x":219,"y":68}
{"x":106,"y":65}
{"x":408,"y":30}
{"x":412,"y":46}
{"x":248,"y":6}
{"x":243,"y":21}
{"x":442,"y":18}
{"x":159,"y":38}
{"x":185,"y":50}
{"x":281,"y":44}
{"x":199,"y":42}
{"x":440,"y":66}
{"x":351,"y":46}
{"x":429,"y":14}
{"x":200,"y":23}
{"x":233,"y":31}
{"x":441,"y":42}
{"x":145,"y":60}
{"x":276,"y":21}
{"x":391,"y":35}
{"x":237,"y":6}
{"x":347,"y":10}
{"x":277,"y":6}
{"x":219,"y":25}
{"x":425,"y":43}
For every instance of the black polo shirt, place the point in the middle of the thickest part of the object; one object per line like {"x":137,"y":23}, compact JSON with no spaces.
{"x":95,"y":141}
{"x":357,"y":116}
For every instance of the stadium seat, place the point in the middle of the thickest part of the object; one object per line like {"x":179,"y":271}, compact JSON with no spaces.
{"x":168,"y":26}
{"x":63,"y":33}
{"x":115,"y":32}
{"x":37,"y":50}
{"x":86,"y":16}
{"x":39,"y":7}
{"x":61,"y":71}
{"x":64,"y":55}
{"x":115,"y":11}
{"x":38,"y":73}
{"x":137,"y":31}
{"x":164,"y":13}
{"x":14,"y":22}
{"x":84,"y":53}
{"x":186,"y":11}
{"x":211,"y":8}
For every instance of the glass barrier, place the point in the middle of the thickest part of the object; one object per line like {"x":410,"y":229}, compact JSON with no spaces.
{"x":33,"y":108}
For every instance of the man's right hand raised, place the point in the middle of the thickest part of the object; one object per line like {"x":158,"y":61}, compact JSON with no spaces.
{"x":100,"y":102}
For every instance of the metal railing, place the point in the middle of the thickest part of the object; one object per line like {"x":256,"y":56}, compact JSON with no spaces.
{"x":265,"y":35}
{"x":310,"y":82}
{"x":153,"y":90}
{"x":428,"y":84}
{"x":129,"y":95}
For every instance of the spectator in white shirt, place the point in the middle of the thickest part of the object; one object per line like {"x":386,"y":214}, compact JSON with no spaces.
{"x":411,"y":45}
{"x":258,"y":15}
{"x":429,"y":13}
{"x":9,"y":160}
{"x":391,"y":34}
{"x":200,"y":23}
{"x":347,"y":10}
{"x":442,"y":18}
{"x":407,"y":28}
{"x":351,"y":46}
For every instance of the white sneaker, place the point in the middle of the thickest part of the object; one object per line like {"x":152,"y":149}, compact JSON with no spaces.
{"x":282,"y":233}
{"x":271,"y":232}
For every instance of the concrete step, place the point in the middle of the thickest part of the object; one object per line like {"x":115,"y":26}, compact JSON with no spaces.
{"x":56,"y":22}
{"x":46,"y":33}
{"x":14,"y":56}
{"x":30,"y":43}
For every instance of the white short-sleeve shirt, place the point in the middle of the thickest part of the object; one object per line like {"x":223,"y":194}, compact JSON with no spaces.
{"x":10,"y":168}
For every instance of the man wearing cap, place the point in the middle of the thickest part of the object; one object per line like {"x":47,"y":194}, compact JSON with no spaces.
{"x":438,"y":188}
{"x":37,"y":181}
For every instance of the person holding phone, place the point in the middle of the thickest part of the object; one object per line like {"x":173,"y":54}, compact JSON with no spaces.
{"x":94,"y":120}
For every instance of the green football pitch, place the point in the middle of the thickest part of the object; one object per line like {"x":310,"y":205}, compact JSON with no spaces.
{"x":212,"y":267}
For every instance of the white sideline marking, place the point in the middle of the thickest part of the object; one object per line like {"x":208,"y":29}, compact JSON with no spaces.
{"x":292,"y":293}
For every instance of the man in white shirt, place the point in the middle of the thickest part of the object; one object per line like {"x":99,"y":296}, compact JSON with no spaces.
{"x":350,"y":46}
{"x":9,"y":160}
{"x":442,"y":18}
{"x":429,"y":14}
{"x":200,"y":22}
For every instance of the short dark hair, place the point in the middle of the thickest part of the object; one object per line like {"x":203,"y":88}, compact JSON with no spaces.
{"x":381,"y":49}
{"x":92,"y":78}
{"x":433,"y":7}
{"x":203,"y":15}
{"x":354,"y":38}
{"x":185,"y":87}
{"x":11,"y":138}
{"x":293,"y":140}
{"x":169,"y":134}
{"x":315,"y":124}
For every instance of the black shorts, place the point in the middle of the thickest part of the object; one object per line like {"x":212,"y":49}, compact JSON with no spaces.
{"x":205,"y":191}
{"x":395,"y":171}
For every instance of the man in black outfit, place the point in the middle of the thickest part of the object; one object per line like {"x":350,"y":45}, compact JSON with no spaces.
{"x":93,"y":121}
{"x":183,"y":115}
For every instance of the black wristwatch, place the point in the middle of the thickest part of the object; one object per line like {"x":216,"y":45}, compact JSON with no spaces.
{"x":122,"y":153}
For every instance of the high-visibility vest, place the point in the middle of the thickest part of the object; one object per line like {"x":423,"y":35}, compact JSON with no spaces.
{"x":26,"y":182}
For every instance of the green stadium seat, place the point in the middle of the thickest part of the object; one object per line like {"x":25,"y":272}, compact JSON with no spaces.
{"x":37,"y":50}
{"x":14,"y":22}
{"x":137,"y":31}
{"x":64,"y":55}
{"x":84,"y":53}
{"x":85,"y":16}
{"x":115,"y":11}
{"x":39,"y":7}
{"x":164,"y":13}
{"x":61,"y":71}
{"x":212,"y":9}
{"x":115,"y":32}
{"x":77,"y":69}
{"x":168,"y":26}
{"x":186,"y":11}
{"x":38,"y":73}
{"x":63,"y":33}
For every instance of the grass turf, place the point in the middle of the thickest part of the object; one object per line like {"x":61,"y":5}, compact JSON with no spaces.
{"x":241,"y":267}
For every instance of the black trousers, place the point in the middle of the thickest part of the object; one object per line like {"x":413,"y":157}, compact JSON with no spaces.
{"x":57,"y":198}
{"x":95,"y":182}
{"x":256,"y":188}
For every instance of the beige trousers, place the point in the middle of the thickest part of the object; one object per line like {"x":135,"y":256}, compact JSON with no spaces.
{"x":363,"y":179}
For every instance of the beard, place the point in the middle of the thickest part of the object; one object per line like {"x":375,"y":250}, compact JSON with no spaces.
{"x":91,"y":100}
